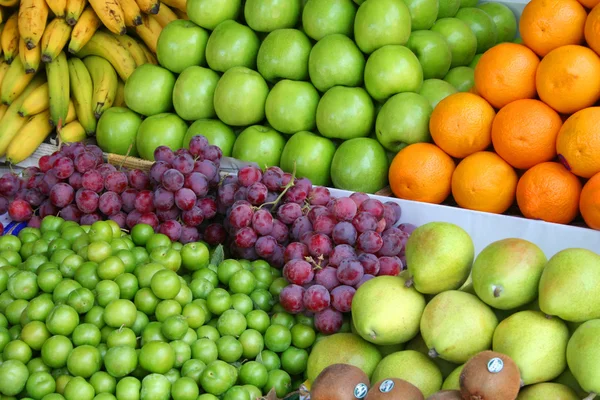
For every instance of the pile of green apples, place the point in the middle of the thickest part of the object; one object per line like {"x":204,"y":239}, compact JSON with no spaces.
{"x":336,"y":86}
{"x":90,"y":312}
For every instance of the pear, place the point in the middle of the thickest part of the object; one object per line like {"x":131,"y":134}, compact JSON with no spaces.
{"x":385,"y":311}
{"x":418,"y":344}
{"x":439,"y":256}
{"x":548,"y":391}
{"x":457,"y":325}
{"x":536,"y":343}
{"x":452,"y":382}
{"x":583,"y":356}
{"x":413,"y":367}
{"x":506,"y":274}
{"x":569,"y":285}
{"x":567,"y":379}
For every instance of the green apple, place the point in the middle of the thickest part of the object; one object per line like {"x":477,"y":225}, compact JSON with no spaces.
{"x":215,"y":131}
{"x":149,"y":90}
{"x":433,"y":52}
{"x":164,"y":129}
{"x":360,"y":165}
{"x":482,"y":25}
{"x":475,"y":60}
{"x":269,"y":15}
{"x":504,"y":18}
{"x":259,"y":144}
{"x":230,"y":45}
{"x":436,"y":90}
{"x":448,"y":8}
{"x":240,"y":97}
{"x":462,"y":78}
{"x":210,"y":13}
{"x":181,"y":44}
{"x":325,"y":17}
{"x":193,"y":93}
{"x":392,"y":69}
{"x":335,"y":60}
{"x":292,"y":106}
{"x":404,"y":120}
{"x":345,"y":113}
{"x":312,"y":155}
{"x":284,"y":54}
{"x":116,"y":131}
{"x":423,"y":13}
{"x":468,"y":3}
{"x":462,"y":41}
{"x":381,"y":22}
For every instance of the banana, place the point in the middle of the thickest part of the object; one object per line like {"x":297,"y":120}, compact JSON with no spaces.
{"x":3,"y":14}
{"x":132,"y":13}
{"x":107,"y":46}
{"x":33,"y":15}
{"x":84,"y":29}
{"x":72,"y":132}
{"x":134,"y":47}
{"x":180,"y":5}
{"x":82,"y":91}
{"x":29,"y":137}
{"x":58,"y":7}
{"x":15,"y":81}
{"x":10,"y":38}
{"x":4,"y":66}
{"x":8,"y":3}
{"x":180,"y":14}
{"x":36,"y":102}
{"x":30,"y":58}
{"x":150,"y":56}
{"x":57,"y":72}
{"x":74,"y":10}
{"x":111,"y":14}
{"x":55,"y":38}
{"x":12,"y":121}
{"x":149,"y":31}
{"x":148,"y":6}
{"x":105,"y":83}
{"x":165,"y":15}
{"x":3,"y":109}
{"x":120,"y":96}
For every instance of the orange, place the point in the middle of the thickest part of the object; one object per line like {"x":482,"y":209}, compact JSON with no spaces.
{"x":421,"y":172}
{"x":589,"y":203}
{"x":484,"y":182}
{"x":549,"y":192}
{"x":506,"y":73}
{"x":592,"y":29}
{"x":461,"y":124}
{"x":578,"y":142}
{"x":547,"y":24}
{"x":568,"y":78}
{"x":524,"y":133}
{"x":589,"y":3}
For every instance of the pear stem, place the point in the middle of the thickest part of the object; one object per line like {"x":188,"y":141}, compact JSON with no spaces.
{"x":433,"y":353}
{"x":591,"y":396}
{"x":409,"y":282}
{"x":497,"y":291}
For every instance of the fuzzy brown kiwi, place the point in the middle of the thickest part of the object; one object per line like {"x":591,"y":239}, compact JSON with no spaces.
{"x":394,"y":389}
{"x":490,"y":376}
{"x":340,"y":382}
{"x":446,"y":395}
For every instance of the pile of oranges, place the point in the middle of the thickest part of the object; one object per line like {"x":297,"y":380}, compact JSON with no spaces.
{"x":529,"y":129}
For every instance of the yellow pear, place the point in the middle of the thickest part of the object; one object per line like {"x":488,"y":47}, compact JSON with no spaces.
{"x":548,"y":391}
{"x":452,"y":382}
{"x":583,"y":356}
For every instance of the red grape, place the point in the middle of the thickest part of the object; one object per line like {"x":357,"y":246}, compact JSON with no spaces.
{"x":392,"y":244}
{"x":183,"y":163}
{"x":20,"y":210}
{"x":189,"y":234}
{"x":296,"y":194}
{"x":128,"y":200}
{"x":198,"y":183}
{"x":213,"y":153}
{"x":163,"y":153}
{"x":144,"y":201}
{"x":92,"y":180}
{"x":170,"y":228}
{"x":198,"y":144}
{"x":138,"y":179}
{"x":149,"y":219}
{"x":273,"y":178}
{"x":262,"y":222}
{"x":341,"y":252}
{"x":86,"y":219}
{"x":298,"y":272}
{"x":265,"y":246}
{"x":291,"y":298}
{"x":257,"y":193}
{"x":86,"y":200}
{"x":315,"y":211}
{"x":300,"y":226}
{"x":208,"y":207}
{"x":47,"y":208}
{"x":327,"y":277}
{"x":116,"y":182}
{"x":241,"y":216}
{"x":408,"y":228}
{"x":34,"y":197}
{"x":133,"y":218}
{"x":109,"y":203}
{"x":9,"y":185}
{"x":63,"y":167}
{"x":163,"y":199}
{"x":193,"y":217}
{"x":370,"y":263}
{"x":120,"y":218}
{"x":84,"y":162}
{"x":390,"y":266}
{"x":365,"y":278}
{"x":344,"y":233}
{"x":245,"y":238}
{"x":295,"y":251}
{"x":207,"y":168}
{"x":75,"y":180}
{"x":329,"y":321}
{"x":359,"y":197}
{"x":215,"y":234}
{"x":105,"y":169}
{"x":316,"y":298}
{"x":3,"y":205}
{"x":45,"y":164}
{"x":280,"y":231}
{"x":158,"y":169}
{"x":350,"y":272}
{"x":249,"y":175}
{"x":370,"y":242}
{"x":319,"y":196}
{"x":341,"y":298}
{"x":344,"y":209}
{"x":324,"y":224}
{"x":170,"y":214}
{"x":374,"y":207}
{"x":61,"y":195}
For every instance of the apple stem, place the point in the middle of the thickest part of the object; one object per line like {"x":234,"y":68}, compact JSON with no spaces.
{"x":285,"y":189}
{"x":591,"y":396}
{"x":432,"y":353}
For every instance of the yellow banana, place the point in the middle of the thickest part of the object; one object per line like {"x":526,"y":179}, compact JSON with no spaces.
{"x":149,"y":31}
{"x":4,"y":66}
{"x":150,"y":56}
{"x":12,"y":121}
{"x":165,"y":15}
{"x":105,"y":83}
{"x":74,"y":10}
{"x":3,"y":108}
{"x":33,"y":15}
{"x":148,"y":6}
{"x":107,"y":46}
{"x":120,"y":95}
{"x":58,"y":7}
{"x":10,"y":38}
{"x":15,"y":81}
{"x":30,"y":58}
{"x":36,"y":102}
{"x":72,"y":132}
{"x":111,"y":14}
{"x":57,"y":72}
{"x":84,"y":29}
{"x":55,"y":38}
{"x":82,"y":91}
{"x":180,"y":14}
{"x":8,"y":3}
{"x":29,"y":137}
{"x":132,"y":12}
{"x":180,"y":5}
{"x":134,"y":47}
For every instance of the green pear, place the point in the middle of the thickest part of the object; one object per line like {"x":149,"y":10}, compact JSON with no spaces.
{"x":583,"y":355}
{"x":452,"y":382}
{"x":548,"y":391}
{"x":439,"y":256}
{"x":536,"y":343}
{"x":457,"y":325}
{"x":357,"y":352}
{"x":385,"y":311}
{"x":567,"y":379}
{"x":506,"y":274}
{"x":418,"y":344}
{"x":413,"y":367}
{"x":569,"y":285}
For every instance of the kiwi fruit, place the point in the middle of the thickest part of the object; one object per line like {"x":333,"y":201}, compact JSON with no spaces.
{"x":490,"y":376}
{"x":446,"y":395}
{"x":394,"y":389}
{"x":340,"y":382}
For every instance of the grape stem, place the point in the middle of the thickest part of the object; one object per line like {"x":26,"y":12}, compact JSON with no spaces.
{"x":285,"y":189}
{"x":317,"y":264}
